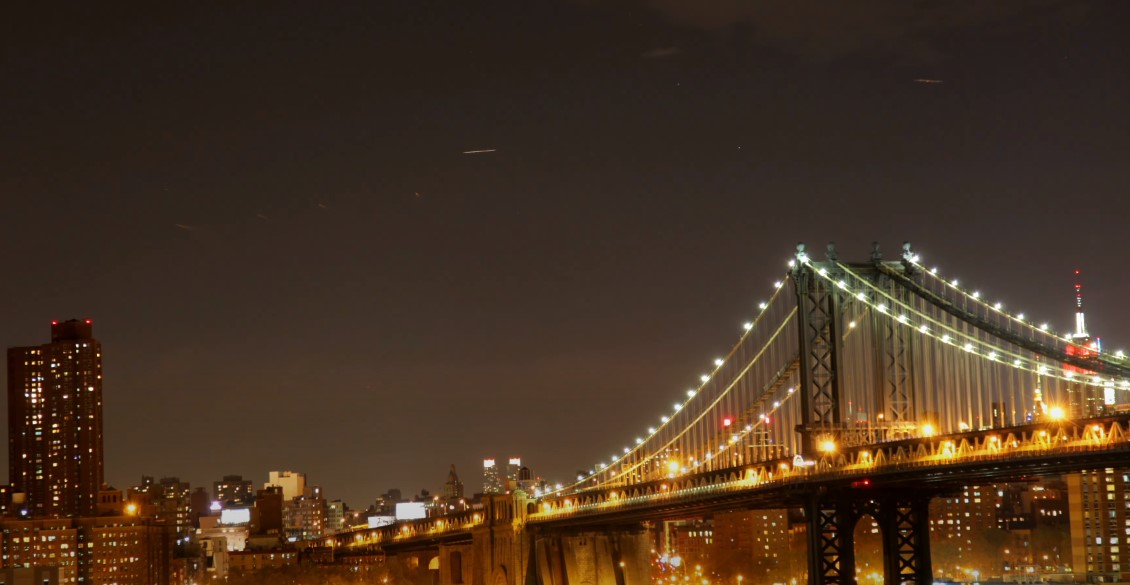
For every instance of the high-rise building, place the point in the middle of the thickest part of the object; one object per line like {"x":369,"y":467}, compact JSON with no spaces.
{"x":55,"y":422}
{"x":1100,"y":523}
{"x":497,"y":480}
{"x":492,"y":482}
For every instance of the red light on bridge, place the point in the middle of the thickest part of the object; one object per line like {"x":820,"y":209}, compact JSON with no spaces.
{"x":727,"y":421}
{"x":861,"y":483}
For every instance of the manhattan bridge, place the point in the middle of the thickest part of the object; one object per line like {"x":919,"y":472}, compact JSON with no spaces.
{"x":862,"y":388}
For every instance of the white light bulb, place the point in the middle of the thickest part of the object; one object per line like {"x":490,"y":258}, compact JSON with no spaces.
{"x":704,"y":378}
{"x":690,"y":393}
{"x":954,"y":282}
{"x":717,"y":361}
{"x":761,"y":306}
{"x":778,"y":284}
{"x":976,"y":294}
{"x":747,"y":326}
{"x":651,"y":430}
{"x":998,"y":306}
{"x":1020,"y":316}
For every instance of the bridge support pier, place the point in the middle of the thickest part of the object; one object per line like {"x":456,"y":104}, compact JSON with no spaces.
{"x":598,"y":557}
{"x":903,"y":520}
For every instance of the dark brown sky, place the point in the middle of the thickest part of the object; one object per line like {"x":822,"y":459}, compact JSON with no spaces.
{"x":352,"y":297}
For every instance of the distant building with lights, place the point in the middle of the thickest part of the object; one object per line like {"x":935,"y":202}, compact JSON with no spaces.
{"x":1100,"y":523}
{"x":293,"y":483}
{"x":55,"y":422}
{"x":233,"y":490}
{"x":125,"y":550}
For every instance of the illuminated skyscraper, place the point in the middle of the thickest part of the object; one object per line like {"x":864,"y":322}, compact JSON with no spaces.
{"x":492,"y":483}
{"x":55,"y":422}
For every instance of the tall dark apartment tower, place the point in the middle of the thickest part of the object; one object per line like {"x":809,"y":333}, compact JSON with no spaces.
{"x":55,"y":422}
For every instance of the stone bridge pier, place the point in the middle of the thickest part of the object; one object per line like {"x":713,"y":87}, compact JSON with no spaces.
{"x":614,"y":556}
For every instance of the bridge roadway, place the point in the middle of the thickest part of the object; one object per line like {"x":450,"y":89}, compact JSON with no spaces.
{"x":597,"y":535}
{"x":938,"y":463}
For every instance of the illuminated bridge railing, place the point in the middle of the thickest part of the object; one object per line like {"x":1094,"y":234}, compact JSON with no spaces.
{"x":406,"y":531}
{"x":1015,"y":447}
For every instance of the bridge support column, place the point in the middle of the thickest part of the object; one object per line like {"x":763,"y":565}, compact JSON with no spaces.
{"x":604,"y":557}
{"x":904,"y":523}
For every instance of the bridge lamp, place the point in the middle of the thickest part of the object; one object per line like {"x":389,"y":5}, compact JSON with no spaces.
{"x":718,"y":362}
{"x":651,"y":430}
{"x":976,"y":294}
{"x":778,"y":284}
{"x":673,"y":466}
{"x":747,"y":326}
{"x":664,"y":419}
{"x":1056,"y":413}
{"x":1120,"y":354}
{"x":1044,"y":327}
{"x":639,"y":441}
{"x":928,"y":430}
{"x":998,"y":306}
{"x":678,"y":406}
{"x":934,"y":270}
{"x":704,"y":378}
{"x":827,"y":446}
{"x":762,"y":305}
{"x":861,"y":296}
{"x":727,"y":421}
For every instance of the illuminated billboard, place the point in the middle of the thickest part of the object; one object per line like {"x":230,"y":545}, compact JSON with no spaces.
{"x":411,"y":511}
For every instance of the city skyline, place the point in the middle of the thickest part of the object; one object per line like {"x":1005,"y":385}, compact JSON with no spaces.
{"x":292,"y":264}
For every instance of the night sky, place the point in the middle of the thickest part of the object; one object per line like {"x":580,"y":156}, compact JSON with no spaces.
{"x":291,"y":264}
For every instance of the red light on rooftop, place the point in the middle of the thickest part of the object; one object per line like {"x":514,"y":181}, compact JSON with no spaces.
{"x":54,"y":322}
{"x":88,"y":321}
